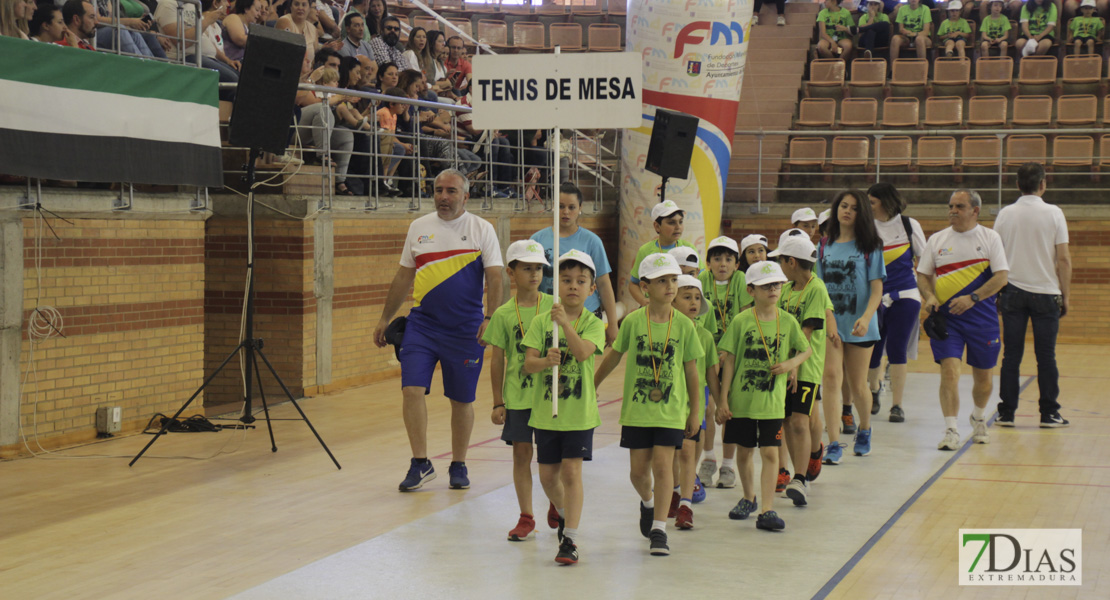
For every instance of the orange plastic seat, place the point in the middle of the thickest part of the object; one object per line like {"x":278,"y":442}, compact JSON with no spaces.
{"x":1033,"y":111}
{"x":1073,"y":151}
{"x":604,"y":37}
{"x":936,"y":151}
{"x":816,"y":112}
{"x":807,"y":152}
{"x":894,"y":151}
{"x":987,"y":111}
{"x":980,"y":151}
{"x":1024,"y":148}
{"x":901,"y":113}
{"x":1077,"y":111}
{"x":858,"y":113}
{"x":944,"y":111}
{"x":850,"y":151}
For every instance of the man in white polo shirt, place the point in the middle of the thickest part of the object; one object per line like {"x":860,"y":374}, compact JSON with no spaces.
{"x":1035,"y":236}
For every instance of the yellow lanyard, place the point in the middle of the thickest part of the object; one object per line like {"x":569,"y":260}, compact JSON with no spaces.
{"x":656,"y":370}
{"x":799,"y":302}
{"x":763,"y":339}
{"x":723,"y":323}
{"x":567,"y":353}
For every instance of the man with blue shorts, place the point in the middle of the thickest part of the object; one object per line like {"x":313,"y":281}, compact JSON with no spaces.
{"x":447,"y":258}
{"x":959,"y":274}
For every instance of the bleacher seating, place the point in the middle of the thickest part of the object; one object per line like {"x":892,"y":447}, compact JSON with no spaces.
{"x":901,"y":113}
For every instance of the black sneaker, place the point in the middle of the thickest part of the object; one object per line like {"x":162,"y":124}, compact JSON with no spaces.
{"x":659,"y":545}
{"x":568,"y":553}
{"x":1004,"y":420}
{"x":1053,"y":421}
{"x":770,"y":521}
{"x":875,"y":403}
{"x":647,"y":515}
{"x":559,"y":530}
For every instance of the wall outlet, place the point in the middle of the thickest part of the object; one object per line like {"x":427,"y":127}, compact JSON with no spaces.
{"x":108,"y":419}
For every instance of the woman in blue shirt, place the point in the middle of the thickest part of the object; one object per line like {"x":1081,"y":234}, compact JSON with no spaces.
{"x":572,"y":236}
{"x":850,"y":262}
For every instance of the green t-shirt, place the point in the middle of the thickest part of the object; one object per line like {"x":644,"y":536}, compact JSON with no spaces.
{"x":669,"y":354}
{"x":653,"y":247}
{"x":832,"y":19}
{"x":710,"y":359}
{"x":996,"y":27}
{"x":505,"y":332}
{"x":578,"y":395}
{"x":1085,"y":26}
{"x":948,"y":26}
{"x":725,"y":301}
{"x":1040,"y":18}
{"x":915,"y":20}
{"x":132,"y":9}
{"x":865,"y":19}
{"x":809,"y":304}
{"x":754,"y":393}
{"x":708,"y":321}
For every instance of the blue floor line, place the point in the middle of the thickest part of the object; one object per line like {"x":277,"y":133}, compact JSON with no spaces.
{"x":852,"y":562}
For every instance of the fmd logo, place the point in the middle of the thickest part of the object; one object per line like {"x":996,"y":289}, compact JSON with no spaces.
{"x":1021,"y":557}
{"x":670,"y":82}
{"x":695,"y":34}
{"x":693,"y":68}
{"x":713,"y":84}
{"x":649,"y":52}
{"x":699,"y":3}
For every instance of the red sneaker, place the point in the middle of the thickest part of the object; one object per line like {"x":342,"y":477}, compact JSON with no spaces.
{"x":525,"y":529}
{"x":674,"y":505}
{"x":552,"y":517}
{"x":685,"y":518}
{"x":814,"y":468}
{"x":783,"y":481}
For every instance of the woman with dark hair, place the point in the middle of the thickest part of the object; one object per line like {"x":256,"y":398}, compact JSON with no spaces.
{"x":374,"y":15}
{"x":415,"y":48}
{"x":47,"y":25}
{"x":243,"y":14}
{"x":903,"y":241}
{"x":850,"y":263}
{"x":348,"y":121}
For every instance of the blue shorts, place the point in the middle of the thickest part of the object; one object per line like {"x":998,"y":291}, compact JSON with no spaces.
{"x":516,"y":427}
{"x":553,"y":446}
{"x":460,"y":360}
{"x":983,"y":344}
{"x":640,"y":438}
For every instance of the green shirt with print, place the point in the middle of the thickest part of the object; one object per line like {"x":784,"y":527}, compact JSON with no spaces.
{"x":808,"y":305}
{"x":705,"y":362}
{"x":577,"y":395}
{"x":506,"y":331}
{"x":754,"y":393}
{"x":832,"y":19}
{"x":949,"y":26}
{"x":1040,"y":18}
{"x":663,"y":355}
{"x":1085,"y":27}
{"x":996,"y":27}
{"x":914,"y":20}
{"x":725,"y":301}
{"x":865,"y":19}
{"x":653,"y":247}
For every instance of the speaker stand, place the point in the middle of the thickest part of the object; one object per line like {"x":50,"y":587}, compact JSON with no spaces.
{"x":663,"y":190}
{"x":251,"y":346}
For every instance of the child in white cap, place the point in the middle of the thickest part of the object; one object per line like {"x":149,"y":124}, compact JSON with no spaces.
{"x":1086,"y":30}
{"x":667,"y":219}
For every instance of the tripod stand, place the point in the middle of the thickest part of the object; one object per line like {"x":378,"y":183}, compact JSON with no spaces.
{"x":252,"y":347}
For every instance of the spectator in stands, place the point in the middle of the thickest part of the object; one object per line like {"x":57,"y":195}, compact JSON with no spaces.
{"x":165,"y":14}
{"x":1035,"y":236}
{"x":995,"y":30}
{"x":780,"y":7}
{"x":415,"y":49}
{"x":376,"y":11}
{"x":915,"y":26}
{"x":435,"y":71}
{"x":458,"y":67}
{"x":873,"y":29}
{"x":244,"y":13}
{"x":47,"y":24}
{"x":349,"y":120}
{"x":297,"y":21}
{"x":318,"y":117}
{"x":1085,"y":31}
{"x":80,"y":18}
{"x":386,"y":46}
{"x":1072,"y":8}
{"x":326,"y":57}
{"x":834,"y":43}
{"x":354,"y":45}
{"x":14,"y":17}
{"x":1038,"y":27}
{"x":439,"y":143}
{"x":388,"y":76}
{"x":212,"y":54}
{"x":326,"y":17}
{"x":954,"y":31}
{"x":134,"y":35}
{"x":267,"y":14}
{"x":392,"y":149}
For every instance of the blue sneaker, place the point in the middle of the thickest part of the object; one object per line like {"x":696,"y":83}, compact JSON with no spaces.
{"x":420,"y":472}
{"x":863,"y":442}
{"x":833,"y":453}
{"x":742,"y":509}
{"x":699,"y":491}
{"x":457,"y":473}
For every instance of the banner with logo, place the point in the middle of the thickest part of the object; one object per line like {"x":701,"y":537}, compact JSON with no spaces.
{"x":1021,"y":557}
{"x":693,"y":62}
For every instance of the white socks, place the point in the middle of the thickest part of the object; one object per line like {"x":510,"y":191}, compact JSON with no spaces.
{"x":709,"y":455}
{"x":729,"y":462}
{"x":571,"y":534}
{"x":950,"y":423}
{"x":660,"y":525}
{"x":977,"y":413}
{"x":648,"y":503}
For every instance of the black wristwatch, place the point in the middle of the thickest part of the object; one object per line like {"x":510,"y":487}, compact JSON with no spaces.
{"x":975,"y":297}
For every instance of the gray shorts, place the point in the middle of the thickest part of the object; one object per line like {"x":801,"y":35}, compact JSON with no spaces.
{"x":516,"y":426}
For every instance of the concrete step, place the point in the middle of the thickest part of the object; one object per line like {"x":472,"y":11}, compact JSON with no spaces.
{"x":747,"y":120}
{"x":797,"y":26}
{"x":774,"y":68}
{"x":795,"y":55}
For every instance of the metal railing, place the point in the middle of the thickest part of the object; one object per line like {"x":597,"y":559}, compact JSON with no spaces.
{"x":118,"y":29}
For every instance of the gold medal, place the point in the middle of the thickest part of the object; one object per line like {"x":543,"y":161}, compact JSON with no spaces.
{"x":562,"y":388}
{"x":656,"y":395}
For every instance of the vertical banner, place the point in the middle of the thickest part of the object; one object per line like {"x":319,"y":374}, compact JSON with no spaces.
{"x":693,"y":61}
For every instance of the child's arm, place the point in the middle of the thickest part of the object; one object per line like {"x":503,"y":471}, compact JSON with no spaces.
{"x":792,"y":363}
{"x":693,"y":389}
{"x":830,"y":328}
{"x":497,"y":378}
{"x":712,"y":373}
{"x":1071,"y":33}
{"x":609,"y":361}
{"x":727,"y":371}
{"x":861,"y":324}
{"x":534,"y":363}
{"x":580,"y":348}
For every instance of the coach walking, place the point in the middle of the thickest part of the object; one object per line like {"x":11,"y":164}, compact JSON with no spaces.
{"x":448,"y":254}
{"x":1035,"y":236}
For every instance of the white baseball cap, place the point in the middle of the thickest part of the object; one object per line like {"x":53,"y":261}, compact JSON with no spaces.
{"x":825,"y":214}
{"x":875,"y":1}
{"x":955,"y":5}
{"x":752,"y":240}
{"x":529,"y":251}
{"x":724,"y":242}
{"x":657,"y":265}
{"x":694,"y":282}
{"x":764,"y":272}
{"x":579,"y":256}
{"x":1090,"y":3}
{"x":789,"y":233}
{"x":684,"y":256}
{"x":796,"y":246}
{"x":665,"y":208}
{"x":806,"y":214}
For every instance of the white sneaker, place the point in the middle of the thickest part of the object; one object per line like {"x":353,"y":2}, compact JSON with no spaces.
{"x":755,"y":19}
{"x":727,"y":478}
{"x":951,"y":440}
{"x":796,"y":491}
{"x":979,"y":433}
{"x":780,"y":22}
{"x":707,"y":471}
{"x":287,"y":159}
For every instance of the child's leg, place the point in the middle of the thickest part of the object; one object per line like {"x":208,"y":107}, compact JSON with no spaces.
{"x":553,"y":485}
{"x":816,"y":424}
{"x":949,"y":45}
{"x":830,"y":385}
{"x":640,"y":472}
{"x":1003,"y":48}
{"x":1090,"y":46}
{"x":855,"y":374}
{"x":746,"y":466}
{"x":522,"y":476}
{"x":783,"y":458}
{"x":662,"y":459}
{"x":729,"y":451}
{"x":797,"y":440}
{"x":985,"y":49}
{"x":570,"y":478}
{"x":686,"y":459}
{"x":770,"y":456}
{"x":960,"y":46}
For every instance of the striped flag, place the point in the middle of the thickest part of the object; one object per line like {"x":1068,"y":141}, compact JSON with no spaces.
{"x":67,"y":113}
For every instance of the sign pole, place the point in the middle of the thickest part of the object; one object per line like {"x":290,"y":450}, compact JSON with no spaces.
{"x":555,"y":267}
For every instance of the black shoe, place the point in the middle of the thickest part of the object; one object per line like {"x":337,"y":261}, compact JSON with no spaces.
{"x":562,"y":526}
{"x":1004,"y":420}
{"x":568,"y":552}
{"x":659,"y":545}
{"x":1053,"y":421}
{"x":875,"y":403}
{"x":647,"y":515}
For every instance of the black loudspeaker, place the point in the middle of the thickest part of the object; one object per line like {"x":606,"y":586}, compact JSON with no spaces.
{"x":672,"y":144}
{"x":267,"y":89}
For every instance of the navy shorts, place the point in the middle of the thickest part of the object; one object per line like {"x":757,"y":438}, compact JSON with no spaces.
{"x":460,"y":360}
{"x":516,"y":427}
{"x":801,"y":401}
{"x":639,"y":438}
{"x":982,"y":345}
{"x":751,"y":433}
{"x":553,"y":446}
